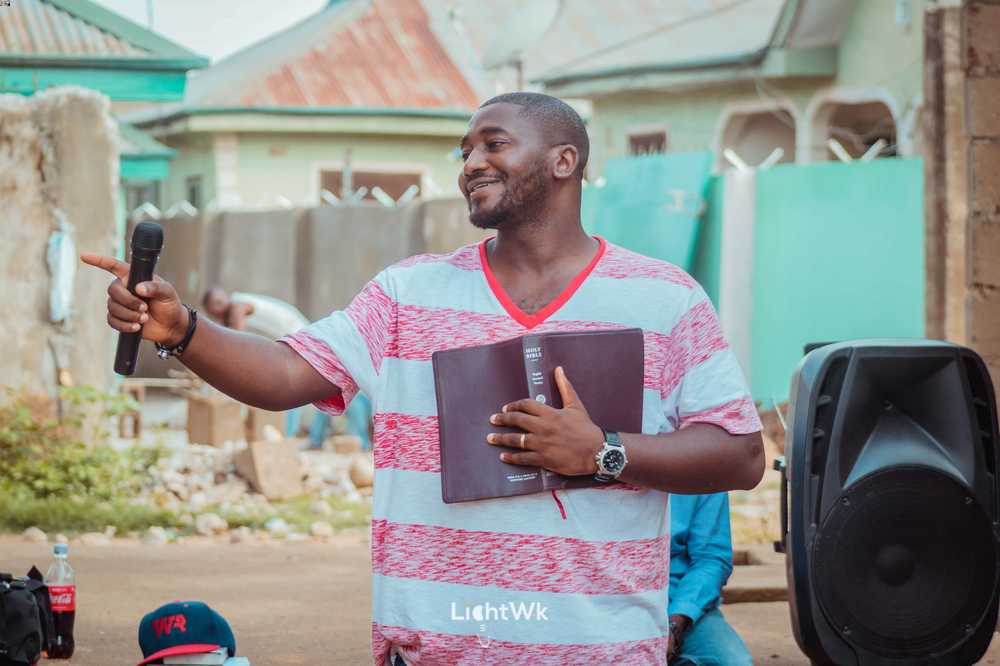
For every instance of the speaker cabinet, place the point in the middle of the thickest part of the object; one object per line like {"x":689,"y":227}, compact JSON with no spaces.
{"x":890,"y":530}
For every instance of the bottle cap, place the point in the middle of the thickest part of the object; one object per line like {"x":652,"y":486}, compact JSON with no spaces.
{"x":61,"y":549}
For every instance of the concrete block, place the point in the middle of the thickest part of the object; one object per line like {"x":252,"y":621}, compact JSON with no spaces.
{"x":985,"y":248}
{"x":272,"y":468}
{"x":346,"y":444}
{"x":985,"y":165}
{"x":984,"y":321}
{"x":984,"y":106}
{"x":759,"y":576}
{"x":214,"y":420}
{"x":982,"y":25}
{"x":258,"y":418}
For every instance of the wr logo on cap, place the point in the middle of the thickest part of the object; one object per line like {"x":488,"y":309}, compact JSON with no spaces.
{"x":164,"y":625}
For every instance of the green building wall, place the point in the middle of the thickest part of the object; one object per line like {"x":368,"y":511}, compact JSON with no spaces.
{"x":269,"y":165}
{"x":875,"y":55}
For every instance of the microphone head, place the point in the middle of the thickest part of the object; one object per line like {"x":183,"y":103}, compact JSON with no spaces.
{"x":147,"y":236}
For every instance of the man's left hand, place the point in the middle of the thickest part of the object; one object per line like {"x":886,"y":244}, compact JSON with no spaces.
{"x":564,"y":440}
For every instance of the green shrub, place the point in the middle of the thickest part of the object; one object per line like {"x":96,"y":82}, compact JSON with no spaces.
{"x":44,"y":459}
{"x":64,"y":476}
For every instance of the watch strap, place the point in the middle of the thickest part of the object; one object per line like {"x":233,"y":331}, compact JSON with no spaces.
{"x":611,"y":438}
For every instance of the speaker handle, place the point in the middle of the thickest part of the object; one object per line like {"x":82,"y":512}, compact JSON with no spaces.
{"x":780,"y":546}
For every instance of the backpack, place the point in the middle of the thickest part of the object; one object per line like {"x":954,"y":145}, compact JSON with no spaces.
{"x":25,"y":620}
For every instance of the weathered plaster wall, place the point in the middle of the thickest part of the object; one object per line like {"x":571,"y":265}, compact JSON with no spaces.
{"x":58,"y":152}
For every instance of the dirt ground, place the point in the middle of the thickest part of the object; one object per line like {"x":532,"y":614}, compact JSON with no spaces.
{"x":289,"y":604}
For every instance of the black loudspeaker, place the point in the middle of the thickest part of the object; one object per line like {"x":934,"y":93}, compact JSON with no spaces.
{"x":889,"y":515}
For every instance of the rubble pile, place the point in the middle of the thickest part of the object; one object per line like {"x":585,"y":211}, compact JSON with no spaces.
{"x":194,"y":477}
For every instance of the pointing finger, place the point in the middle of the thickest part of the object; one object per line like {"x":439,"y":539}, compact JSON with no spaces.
{"x":117,"y":268}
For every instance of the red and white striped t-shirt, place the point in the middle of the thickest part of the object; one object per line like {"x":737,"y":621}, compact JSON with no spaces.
{"x":513,"y":580}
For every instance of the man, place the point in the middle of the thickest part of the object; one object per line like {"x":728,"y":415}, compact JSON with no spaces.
{"x":274,"y":319}
{"x":701,"y":559}
{"x":578,"y":579}
{"x":265,"y":315}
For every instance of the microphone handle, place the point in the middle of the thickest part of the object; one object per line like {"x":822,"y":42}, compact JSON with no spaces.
{"x":127,"y":353}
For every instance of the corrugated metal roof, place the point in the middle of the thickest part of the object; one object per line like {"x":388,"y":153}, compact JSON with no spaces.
{"x":361,"y":53}
{"x":36,"y":27}
{"x":133,"y":142}
{"x":594,"y":35}
{"x":711,"y":31}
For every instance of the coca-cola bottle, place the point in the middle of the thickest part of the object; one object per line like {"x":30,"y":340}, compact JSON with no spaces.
{"x":61,"y":582}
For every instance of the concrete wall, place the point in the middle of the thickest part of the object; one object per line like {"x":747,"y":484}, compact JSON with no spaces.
{"x":877,"y":60}
{"x":962,"y":134}
{"x":57,"y":152}
{"x":316,"y":259}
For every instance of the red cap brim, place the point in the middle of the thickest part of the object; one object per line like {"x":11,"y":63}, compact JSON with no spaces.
{"x":179,"y":649}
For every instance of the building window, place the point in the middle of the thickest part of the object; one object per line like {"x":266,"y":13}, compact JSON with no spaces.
{"x":647,"y":143}
{"x":393,"y":184}
{"x":192,"y":188}
{"x":138,"y":192}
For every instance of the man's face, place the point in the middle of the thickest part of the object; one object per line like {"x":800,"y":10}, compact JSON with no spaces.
{"x":505,"y":175}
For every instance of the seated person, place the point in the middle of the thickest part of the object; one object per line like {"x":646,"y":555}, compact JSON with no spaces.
{"x":274,"y":318}
{"x":260,"y":314}
{"x":701,"y":559}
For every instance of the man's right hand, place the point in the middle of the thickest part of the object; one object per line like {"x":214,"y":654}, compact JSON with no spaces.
{"x":161,"y":315}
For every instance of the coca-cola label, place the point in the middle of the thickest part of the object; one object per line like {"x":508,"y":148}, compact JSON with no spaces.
{"x":63,"y":598}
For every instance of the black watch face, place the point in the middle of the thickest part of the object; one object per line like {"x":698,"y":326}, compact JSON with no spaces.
{"x":614,"y":461}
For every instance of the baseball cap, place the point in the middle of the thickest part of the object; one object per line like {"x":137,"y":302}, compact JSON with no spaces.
{"x":183,"y":627}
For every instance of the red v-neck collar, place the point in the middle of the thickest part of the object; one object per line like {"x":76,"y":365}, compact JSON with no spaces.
{"x":532,"y":320}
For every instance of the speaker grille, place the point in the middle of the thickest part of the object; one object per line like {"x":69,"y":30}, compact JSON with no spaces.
{"x":905,"y":563}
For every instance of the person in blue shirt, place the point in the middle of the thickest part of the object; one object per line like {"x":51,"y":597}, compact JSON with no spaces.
{"x":701,"y":559}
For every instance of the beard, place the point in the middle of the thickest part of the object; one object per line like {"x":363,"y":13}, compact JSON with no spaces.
{"x":521,"y":199}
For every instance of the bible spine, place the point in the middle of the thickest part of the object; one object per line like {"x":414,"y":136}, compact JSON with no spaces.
{"x":539,"y":383}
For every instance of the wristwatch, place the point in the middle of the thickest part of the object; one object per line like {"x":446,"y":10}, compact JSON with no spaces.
{"x":611,"y":459}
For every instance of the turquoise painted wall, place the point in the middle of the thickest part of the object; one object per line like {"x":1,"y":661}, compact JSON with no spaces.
{"x":637,"y":207}
{"x":708,"y":253}
{"x":838,"y":254}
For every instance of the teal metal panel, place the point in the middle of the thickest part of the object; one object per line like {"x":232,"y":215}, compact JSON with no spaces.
{"x":651,"y":204}
{"x":144,"y":169}
{"x":153,"y":86}
{"x":708,"y":255}
{"x":838,"y":255}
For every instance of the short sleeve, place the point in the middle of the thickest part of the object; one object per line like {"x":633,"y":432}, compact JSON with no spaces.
{"x":703,"y":382}
{"x":347,"y":347}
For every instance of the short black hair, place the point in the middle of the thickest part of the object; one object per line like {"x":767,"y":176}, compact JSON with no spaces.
{"x":556,"y":118}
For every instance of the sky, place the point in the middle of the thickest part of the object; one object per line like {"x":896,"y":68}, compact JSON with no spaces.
{"x":216,"y":28}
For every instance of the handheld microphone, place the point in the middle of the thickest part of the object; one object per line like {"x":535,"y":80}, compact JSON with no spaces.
{"x":147,"y":241}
